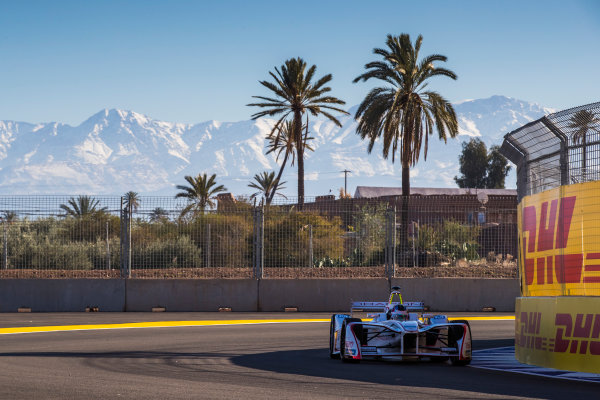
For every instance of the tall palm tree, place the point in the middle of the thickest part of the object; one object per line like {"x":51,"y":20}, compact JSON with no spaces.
{"x":200,"y":193}
{"x":82,"y":206}
{"x":581,"y":122}
{"x":282,"y":141}
{"x":131,"y":200}
{"x":294,"y":95}
{"x":267,"y":186}
{"x":403,"y":112}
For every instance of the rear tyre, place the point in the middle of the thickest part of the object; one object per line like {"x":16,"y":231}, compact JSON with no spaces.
{"x":343,"y":340}
{"x":332,"y":339}
{"x":455,"y":333}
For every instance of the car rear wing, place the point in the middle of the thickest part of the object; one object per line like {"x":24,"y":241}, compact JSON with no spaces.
{"x":380,"y":306}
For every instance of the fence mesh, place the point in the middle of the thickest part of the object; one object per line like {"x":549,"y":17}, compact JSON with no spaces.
{"x":161,"y":237}
{"x":559,"y":149}
{"x":558,"y":167}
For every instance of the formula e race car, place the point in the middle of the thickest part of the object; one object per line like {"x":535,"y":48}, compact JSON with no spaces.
{"x":399,"y":331}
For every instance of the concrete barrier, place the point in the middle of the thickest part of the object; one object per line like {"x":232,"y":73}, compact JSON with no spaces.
{"x":56,"y":295}
{"x":460,"y":294}
{"x":319,"y":294}
{"x":192,"y":294}
{"x":441,"y":294}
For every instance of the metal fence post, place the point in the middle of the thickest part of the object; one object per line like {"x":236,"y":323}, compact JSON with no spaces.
{"x":107,"y":249}
{"x":310,"y":247}
{"x":5,"y":249}
{"x":390,"y":236}
{"x":208,"y":255}
{"x":258,"y":240}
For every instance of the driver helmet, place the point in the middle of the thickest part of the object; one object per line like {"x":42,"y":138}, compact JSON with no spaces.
{"x":398,"y":312}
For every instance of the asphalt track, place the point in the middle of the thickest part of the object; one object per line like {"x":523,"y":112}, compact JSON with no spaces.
{"x":243,"y":360}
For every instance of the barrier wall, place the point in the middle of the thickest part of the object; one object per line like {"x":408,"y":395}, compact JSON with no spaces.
{"x":560,"y":241}
{"x":55,"y":295}
{"x":64,"y":295}
{"x":559,"y":332}
{"x":460,"y":294}
{"x":557,"y":324}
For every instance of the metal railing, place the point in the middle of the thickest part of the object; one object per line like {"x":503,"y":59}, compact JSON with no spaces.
{"x":385,"y":237}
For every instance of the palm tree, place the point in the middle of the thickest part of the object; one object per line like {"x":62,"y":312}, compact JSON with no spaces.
{"x":282,"y":141}
{"x":82,"y":206}
{"x":582,"y":122}
{"x":200,"y":193}
{"x":159,"y":214}
{"x":403,"y":112}
{"x":131,"y":200}
{"x":267,"y":185}
{"x":295,"y":95}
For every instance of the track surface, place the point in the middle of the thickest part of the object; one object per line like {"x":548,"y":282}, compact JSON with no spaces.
{"x":237,"y":361}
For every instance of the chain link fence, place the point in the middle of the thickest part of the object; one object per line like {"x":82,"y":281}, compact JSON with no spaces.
{"x":156,"y":237}
{"x":559,"y":149}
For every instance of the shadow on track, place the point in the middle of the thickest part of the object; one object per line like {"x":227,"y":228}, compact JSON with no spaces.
{"x":316,"y":363}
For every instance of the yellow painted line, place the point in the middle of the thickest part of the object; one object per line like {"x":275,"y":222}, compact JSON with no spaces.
{"x":171,"y":324}
{"x":160,"y":324}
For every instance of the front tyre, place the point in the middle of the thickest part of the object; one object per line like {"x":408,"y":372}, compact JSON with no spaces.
{"x":332,"y":339}
{"x":456,"y":333}
{"x":343,"y":340}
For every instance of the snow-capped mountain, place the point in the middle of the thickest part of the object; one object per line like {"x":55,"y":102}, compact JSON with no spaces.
{"x":115,"y":151}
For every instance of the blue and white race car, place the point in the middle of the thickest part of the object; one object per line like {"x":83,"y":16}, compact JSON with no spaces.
{"x":398,"y":331}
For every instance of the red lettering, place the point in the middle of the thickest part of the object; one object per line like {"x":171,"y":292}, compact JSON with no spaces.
{"x":532,"y":323}
{"x":595,"y":348}
{"x":529,"y":222}
{"x":582,"y":330}
{"x":583,"y":347}
{"x":573,"y":348}
{"x":596,"y":330}
{"x":562,"y":320}
{"x":565,"y":214}
{"x":541,"y":266}
{"x":546,"y":231}
{"x":568,"y":268}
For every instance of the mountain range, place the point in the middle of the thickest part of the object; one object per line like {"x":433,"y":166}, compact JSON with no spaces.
{"x":115,"y":151}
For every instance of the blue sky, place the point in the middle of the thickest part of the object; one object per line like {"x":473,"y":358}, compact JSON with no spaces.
{"x":191,"y":61}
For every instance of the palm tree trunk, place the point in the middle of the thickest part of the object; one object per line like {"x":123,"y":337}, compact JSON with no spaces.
{"x":272,"y":194}
{"x":404,"y":213}
{"x":300,"y":154}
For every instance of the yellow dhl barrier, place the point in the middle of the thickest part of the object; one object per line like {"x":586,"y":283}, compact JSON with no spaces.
{"x":559,"y":332}
{"x":559,"y":232}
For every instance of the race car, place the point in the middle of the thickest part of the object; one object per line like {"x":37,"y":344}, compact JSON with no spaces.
{"x":398,"y":331}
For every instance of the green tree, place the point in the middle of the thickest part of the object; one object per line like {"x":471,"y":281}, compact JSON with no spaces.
{"x":497,"y":169}
{"x":481,"y":169}
{"x":295,"y":94}
{"x":403,"y":112}
{"x":82,"y":206}
{"x":267,"y":185}
{"x":131,"y":201}
{"x":580,"y":123}
{"x":200,"y":193}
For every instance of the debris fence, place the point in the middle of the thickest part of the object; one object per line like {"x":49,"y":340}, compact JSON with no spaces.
{"x":162,"y":237}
